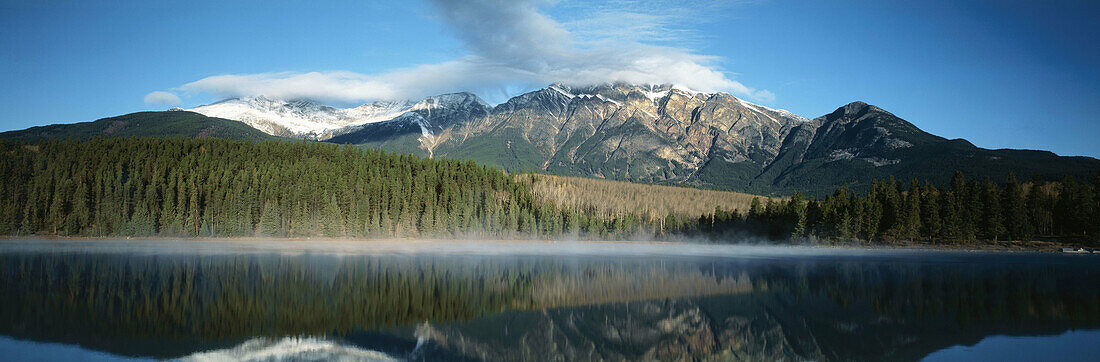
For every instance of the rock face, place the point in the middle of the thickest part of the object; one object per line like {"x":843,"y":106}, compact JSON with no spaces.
{"x":655,"y":134}
{"x":621,"y":131}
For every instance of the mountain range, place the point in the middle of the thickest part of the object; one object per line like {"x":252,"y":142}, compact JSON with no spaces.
{"x":173,"y":123}
{"x":644,"y":133}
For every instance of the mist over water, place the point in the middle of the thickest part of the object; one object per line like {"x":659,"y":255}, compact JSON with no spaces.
{"x":455,"y":300}
{"x":446,"y":247}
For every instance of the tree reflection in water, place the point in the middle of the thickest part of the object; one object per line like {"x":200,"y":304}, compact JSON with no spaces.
{"x":504,"y":307}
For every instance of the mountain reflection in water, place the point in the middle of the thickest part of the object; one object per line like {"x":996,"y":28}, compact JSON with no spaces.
{"x":309,"y":303}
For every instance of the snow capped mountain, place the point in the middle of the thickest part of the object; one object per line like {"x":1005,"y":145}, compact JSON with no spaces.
{"x":300,"y":118}
{"x":643,"y":133}
{"x":309,"y":119}
{"x":451,"y":101}
{"x":617,"y":130}
{"x":663,"y":106}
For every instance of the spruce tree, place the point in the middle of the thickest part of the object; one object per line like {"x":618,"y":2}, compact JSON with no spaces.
{"x":931,"y":222}
{"x":992,"y":213}
{"x":271,"y":223}
{"x":1017,"y":224}
{"x":755,"y":210}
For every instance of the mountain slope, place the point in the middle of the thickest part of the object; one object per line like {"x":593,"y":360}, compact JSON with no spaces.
{"x":618,"y":131}
{"x":860,"y":142}
{"x":655,"y":134}
{"x":144,"y":124}
{"x":312,"y":120}
{"x":667,"y":134}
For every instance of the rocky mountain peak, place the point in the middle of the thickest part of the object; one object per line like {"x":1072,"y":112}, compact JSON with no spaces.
{"x":645,"y":133}
{"x":856,"y":109}
{"x":453,"y":100}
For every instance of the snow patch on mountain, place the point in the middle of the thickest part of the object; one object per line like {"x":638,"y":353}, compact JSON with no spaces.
{"x":450,"y":101}
{"x":303,"y":118}
{"x":788,"y":114}
{"x":412,"y":117}
{"x":557,"y":88}
{"x":767,"y":112}
{"x":308,"y":119}
{"x":299,"y":117}
{"x":605,"y":99}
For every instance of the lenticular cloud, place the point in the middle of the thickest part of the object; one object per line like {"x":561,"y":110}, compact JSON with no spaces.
{"x":510,"y":44}
{"x":162,"y":98}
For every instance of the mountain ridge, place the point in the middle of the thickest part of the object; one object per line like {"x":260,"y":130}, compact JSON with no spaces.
{"x":663,"y":134}
{"x":172,"y":123}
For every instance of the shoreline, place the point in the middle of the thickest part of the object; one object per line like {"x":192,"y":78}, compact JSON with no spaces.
{"x":982,"y":246}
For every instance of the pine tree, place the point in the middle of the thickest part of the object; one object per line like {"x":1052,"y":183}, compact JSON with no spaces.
{"x":992,"y":214}
{"x":333,"y":223}
{"x":1039,"y":213}
{"x":931,"y":222}
{"x":80,"y":215}
{"x":270,"y":220}
{"x":873,"y":215}
{"x":797,"y":213}
{"x":1095,"y":220}
{"x":949,"y":212}
{"x":1017,"y":224}
{"x":755,"y":211}
{"x":911,"y":214}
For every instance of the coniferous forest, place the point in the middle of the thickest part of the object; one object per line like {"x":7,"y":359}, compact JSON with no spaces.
{"x":212,"y":187}
{"x":218,"y":187}
{"x":967,"y":210}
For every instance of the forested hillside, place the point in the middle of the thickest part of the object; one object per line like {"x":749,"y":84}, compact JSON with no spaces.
{"x":963,"y":212}
{"x":219,"y":187}
{"x":144,"y":124}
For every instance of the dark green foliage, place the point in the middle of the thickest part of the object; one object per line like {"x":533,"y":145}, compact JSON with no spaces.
{"x":393,"y":136}
{"x":228,"y":297}
{"x":505,"y":148}
{"x":144,"y":124}
{"x":218,"y":187}
{"x":1017,"y":224}
{"x":966,"y":211}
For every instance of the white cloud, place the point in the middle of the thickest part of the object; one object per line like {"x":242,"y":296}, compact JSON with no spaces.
{"x":162,"y":98}
{"x":514,"y":44}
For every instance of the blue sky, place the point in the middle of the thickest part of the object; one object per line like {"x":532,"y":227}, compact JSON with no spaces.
{"x":1002,"y":74}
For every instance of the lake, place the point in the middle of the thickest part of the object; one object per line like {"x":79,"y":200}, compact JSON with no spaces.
{"x":410,"y":300}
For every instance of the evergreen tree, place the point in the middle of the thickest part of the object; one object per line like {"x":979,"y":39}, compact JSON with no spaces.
{"x":1017,"y":224}
{"x":1038,"y":207}
{"x":796,"y":213}
{"x":333,"y":224}
{"x":755,"y":210}
{"x":992,"y":213}
{"x":271,"y":223}
{"x":931,"y":222}
{"x":910,"y":223}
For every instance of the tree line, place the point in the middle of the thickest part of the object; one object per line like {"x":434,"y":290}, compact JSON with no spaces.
{"x":167,"y":306}
{"x":966,"y":210}
{"x":217,"y":187}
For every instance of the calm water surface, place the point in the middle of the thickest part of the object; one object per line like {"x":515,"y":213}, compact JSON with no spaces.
{"x":108,"y":300}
